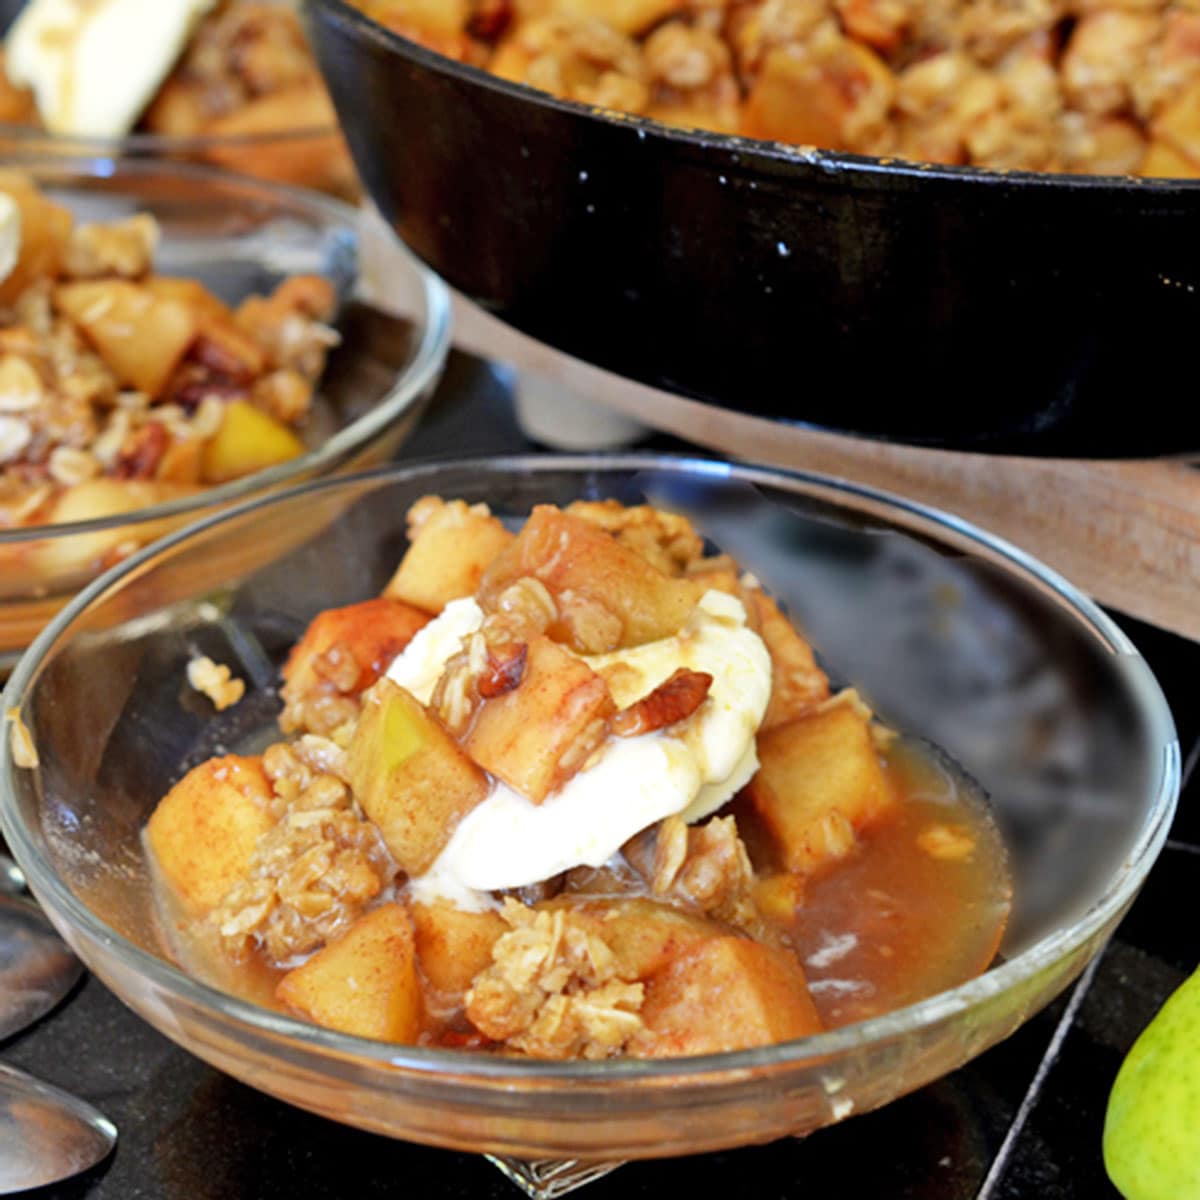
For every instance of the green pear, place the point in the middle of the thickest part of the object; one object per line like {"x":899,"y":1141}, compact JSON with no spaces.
{"x":1152,"y":1128}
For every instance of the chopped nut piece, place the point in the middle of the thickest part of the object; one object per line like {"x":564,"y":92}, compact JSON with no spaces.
{"x":122,"y":248}
{"x":674,"y":700}
{"x":216,"y":681}
{"x":21,"y":386}
{"x":950,"y":843}
{"x":20,"y":741}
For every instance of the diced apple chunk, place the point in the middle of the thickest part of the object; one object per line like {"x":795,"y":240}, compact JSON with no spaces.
{"x":452,"y":547}
{"x":246,"y":441}
{"x":372,"y":631}
{"x":77,"y":556}
{"x":530,"y":737}
{"x":453,"y":946}
{"x":645,"y":935}
{"x":728,"y":993}
{"x":797,"y":683}
{"x":1178,"y":124}
{"x":365,"y":983}
{"x":142,"y":336}
{"x":45,"y":228}
{"x":410,"y":776}
{"x":190,"y":292}
{"x":820,"y":783}
{"x":571,"y":555}
{"x":203,"y":833}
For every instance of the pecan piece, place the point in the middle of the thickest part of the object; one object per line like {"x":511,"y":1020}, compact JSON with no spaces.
{"x":140,"y":457}
{"x":504,"y":671}
{"x":489,"y":19}
{"x":673,"y":700}
{"x":221,"y":360}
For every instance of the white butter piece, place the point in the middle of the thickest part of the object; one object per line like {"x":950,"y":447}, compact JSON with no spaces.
{"x":691,"y":768}
{"x":10,"y":235}
{"x":94,"y":65}
{"x":420,"y":664}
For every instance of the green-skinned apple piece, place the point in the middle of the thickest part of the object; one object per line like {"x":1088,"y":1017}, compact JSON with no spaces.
{"x":1152,"y":1129}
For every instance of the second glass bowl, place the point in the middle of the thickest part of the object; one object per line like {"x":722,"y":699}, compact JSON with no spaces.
{"x":238,"y":236}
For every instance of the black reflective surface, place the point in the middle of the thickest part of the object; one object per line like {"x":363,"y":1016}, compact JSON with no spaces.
{"x":1043,"y":315}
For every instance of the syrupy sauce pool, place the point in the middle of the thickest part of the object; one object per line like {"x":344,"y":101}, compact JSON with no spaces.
{"x":919,"y":907}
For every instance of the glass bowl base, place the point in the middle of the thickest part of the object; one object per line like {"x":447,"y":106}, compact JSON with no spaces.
{"x":546,"y":1178}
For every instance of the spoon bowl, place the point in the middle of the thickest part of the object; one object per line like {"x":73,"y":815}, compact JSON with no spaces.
{"x":46,"y":1134}
{"x":36,"y":968}
{"x":12,"y":878}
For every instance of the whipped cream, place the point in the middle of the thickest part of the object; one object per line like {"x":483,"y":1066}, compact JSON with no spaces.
{"x":10,"y":235}
{"x":94,"y":65}
{"x":690,"y":768}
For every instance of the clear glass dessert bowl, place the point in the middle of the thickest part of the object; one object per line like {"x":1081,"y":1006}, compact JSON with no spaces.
{"x":951,"y":636}
{"x":238,"y":236}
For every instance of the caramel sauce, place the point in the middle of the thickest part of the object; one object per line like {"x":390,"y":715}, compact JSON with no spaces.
{"x":918,"y":907}
{"x":895,"y":922}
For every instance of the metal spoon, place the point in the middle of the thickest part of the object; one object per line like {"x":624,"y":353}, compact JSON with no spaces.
{"x":45,"y":1133}
{"x":36,"y":967}
{"x":12,"y":878}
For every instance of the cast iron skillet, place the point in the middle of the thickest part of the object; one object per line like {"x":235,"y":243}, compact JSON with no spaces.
{"x":948,"y":306}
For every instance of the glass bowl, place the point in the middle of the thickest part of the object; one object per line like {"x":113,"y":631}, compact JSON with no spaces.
{"x":238,"y":236}
{"x":951,"y":635}
{"x":305,"y":156}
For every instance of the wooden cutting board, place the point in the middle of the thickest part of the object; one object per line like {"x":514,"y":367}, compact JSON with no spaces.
{"x":1127,"y":533}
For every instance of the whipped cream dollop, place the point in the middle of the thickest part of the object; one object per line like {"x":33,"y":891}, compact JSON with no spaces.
{"x":94,"y":65}
{"x":690,"y":768}
{"x":10,"y":235}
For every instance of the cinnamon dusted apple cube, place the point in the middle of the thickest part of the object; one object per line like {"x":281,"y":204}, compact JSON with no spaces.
{"x":453,"y":946}
{"x":1164,"y":161}
{"x":45,"y":230}
{"x":726,"y":993}
{"x":819,"y":785}
{"x":609,"y":596}
{"x":372,"y":632}
{"x":436,"y":19}
{"x":452,"y":544}
{"x":797,"y":683}
{"x":365,"y":983}
{"x":645,"y":935}
{"x":140,"y":335}
{"x":410,"y":776}
{"x":203,"y":833}
{"x":1178,"y":124}
{"x":190,"y":292}
{"x":538,"y":735}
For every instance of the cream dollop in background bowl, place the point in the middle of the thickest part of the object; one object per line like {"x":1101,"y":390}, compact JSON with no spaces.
{"x":309,"y":152}
{"x":239,"y":236}
{"x":951,"y":635}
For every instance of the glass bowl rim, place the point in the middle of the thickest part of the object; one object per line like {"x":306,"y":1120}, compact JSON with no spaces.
{"x":155,"y":145}
{"x":782,"y":153}
{"x":428,"y":355}
{"x":479,"y":1068}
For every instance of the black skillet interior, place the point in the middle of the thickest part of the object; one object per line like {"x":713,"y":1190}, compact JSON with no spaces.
{"x":944,"y":306}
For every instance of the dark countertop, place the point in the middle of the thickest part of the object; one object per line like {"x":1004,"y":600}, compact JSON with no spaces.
{"x":1023,"y":1120}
